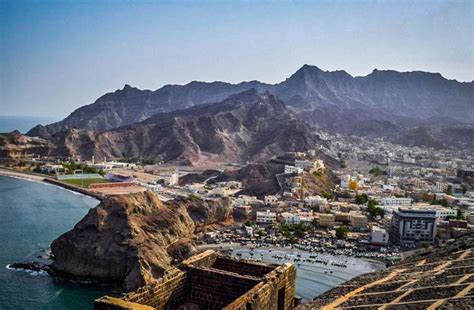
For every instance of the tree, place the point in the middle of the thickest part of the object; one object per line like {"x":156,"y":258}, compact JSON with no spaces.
{"x":341,"y":232}
{"x":193,"y":197}
{"x":376,"y":171}
{"x":442,"y":202}
{"x":373,"y":210}
{"x":361,"y":199}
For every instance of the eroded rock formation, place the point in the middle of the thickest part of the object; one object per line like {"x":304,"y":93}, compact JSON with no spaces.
{"x":132,"y":239}
{"x":125,"y":239}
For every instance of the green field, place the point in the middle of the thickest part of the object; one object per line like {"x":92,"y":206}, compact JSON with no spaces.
{"x":85,"y":182}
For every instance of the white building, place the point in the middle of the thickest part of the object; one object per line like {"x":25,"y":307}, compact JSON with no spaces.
{"x":249,"y":231}
{"x":266,"y":217}
{"x":292,"y":169}
{"x":440,"y":187}
{"x":345,"y":180}
{"x":378,"y":236}
{"x":313,"y":201}
{"x":396,"y":201}
{"x":442,"y":212}
{"x":309,"y":164}
{"x":51,"y":168}
{"x":270,"y":199}
{"x":290,"y":218}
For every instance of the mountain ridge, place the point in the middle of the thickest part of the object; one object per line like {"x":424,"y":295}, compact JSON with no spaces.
{"x":382,"y":94}
{"x":245,"y":127}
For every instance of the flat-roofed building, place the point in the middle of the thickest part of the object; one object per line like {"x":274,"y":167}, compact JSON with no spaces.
{"x":358,"y":220}
{"x":396,"y":201}
{"x":327,"y":220}
{"x":378,"y":236}
{"x":413,"y":225}
{"x":266,"y":217}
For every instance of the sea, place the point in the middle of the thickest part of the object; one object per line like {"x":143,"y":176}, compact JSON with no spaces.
{"x":312,"y":279}
{"x":32,"y":215}
{"x":23,"y":123}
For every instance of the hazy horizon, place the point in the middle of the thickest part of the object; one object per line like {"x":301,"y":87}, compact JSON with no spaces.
{"x":70,"y":53}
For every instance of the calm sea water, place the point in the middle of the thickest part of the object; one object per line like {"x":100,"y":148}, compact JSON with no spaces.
{"x":313,"y":279}
{"x":23,"y":123}
{"x":32,"y":215}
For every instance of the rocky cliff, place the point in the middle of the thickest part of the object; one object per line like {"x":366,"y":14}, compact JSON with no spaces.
{"x":131,"y":239}
{"x":124,"y":239}
{"x":15,"y":145}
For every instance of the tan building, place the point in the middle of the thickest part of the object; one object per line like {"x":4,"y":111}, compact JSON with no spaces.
{"x":327,"y":220}
{"x":358,"y":220}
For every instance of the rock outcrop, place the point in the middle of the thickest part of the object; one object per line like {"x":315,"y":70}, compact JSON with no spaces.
{"x":15,"y":145}
{"x":125,"y":239}
{"x":132,"y":239}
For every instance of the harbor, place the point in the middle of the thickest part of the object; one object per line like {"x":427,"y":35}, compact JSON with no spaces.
{"x":315,"y":272}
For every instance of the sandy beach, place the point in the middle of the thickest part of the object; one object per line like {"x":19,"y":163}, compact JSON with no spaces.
{"x":20,"y":174}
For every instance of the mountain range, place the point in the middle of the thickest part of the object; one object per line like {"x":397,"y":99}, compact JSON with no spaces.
{"x":382,"y":103}
{"x":245,"y":127}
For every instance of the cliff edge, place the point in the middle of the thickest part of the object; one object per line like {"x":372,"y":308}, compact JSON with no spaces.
{"x":126,"y":238}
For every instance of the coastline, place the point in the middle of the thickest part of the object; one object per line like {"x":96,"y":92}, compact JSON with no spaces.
{"x":30,"y":176}
{"x":236,"y":245}
{"x":21,"y":174}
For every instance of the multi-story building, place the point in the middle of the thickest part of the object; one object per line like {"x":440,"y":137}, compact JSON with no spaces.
{"x":442,"y":212}
{"x":270,"y":199}
{"x":313,"y":201}
{"x":292,"y":169}
{"x":327,"y":220}
{"x":378,"y":236}
{"x":440,"y":187}
{"x":396,"y":201}
{"x":413,"y":225}
{"x":266,"y":217}
{"x":358,"y":220}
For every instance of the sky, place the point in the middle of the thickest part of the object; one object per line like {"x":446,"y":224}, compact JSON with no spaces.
{"x":56,"y":56}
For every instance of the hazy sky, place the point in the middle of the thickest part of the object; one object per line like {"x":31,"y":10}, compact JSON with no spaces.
{"x":58,"y":55}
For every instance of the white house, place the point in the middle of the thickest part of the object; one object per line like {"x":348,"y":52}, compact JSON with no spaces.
{"x":292,"y":169}
{"x":396,"y":201}
{"x":270,"y":199}
{"x":266,"y":217}
{"x":378,"y":236}
{"x":313,"y":201}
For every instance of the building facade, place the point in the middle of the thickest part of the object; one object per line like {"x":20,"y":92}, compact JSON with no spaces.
{"x":266,"y":217}
{"x":413,"y":225}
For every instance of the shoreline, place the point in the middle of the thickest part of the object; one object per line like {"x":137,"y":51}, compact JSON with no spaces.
{"x":236,"y":245}
{"x":29,"y":176}
{"x":21,"y":174}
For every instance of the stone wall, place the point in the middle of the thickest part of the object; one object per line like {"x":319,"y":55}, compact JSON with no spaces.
{"x":167,"y":292}
{"x":215,"y":289}
{"x":204,"y":259}
{"x":240,"y":267}
{"x":276,"y":291}
{"x":211,"y":281}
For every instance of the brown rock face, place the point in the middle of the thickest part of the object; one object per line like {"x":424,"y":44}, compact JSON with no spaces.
{"x":126,"y":239}
{"x":15,"y":145}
